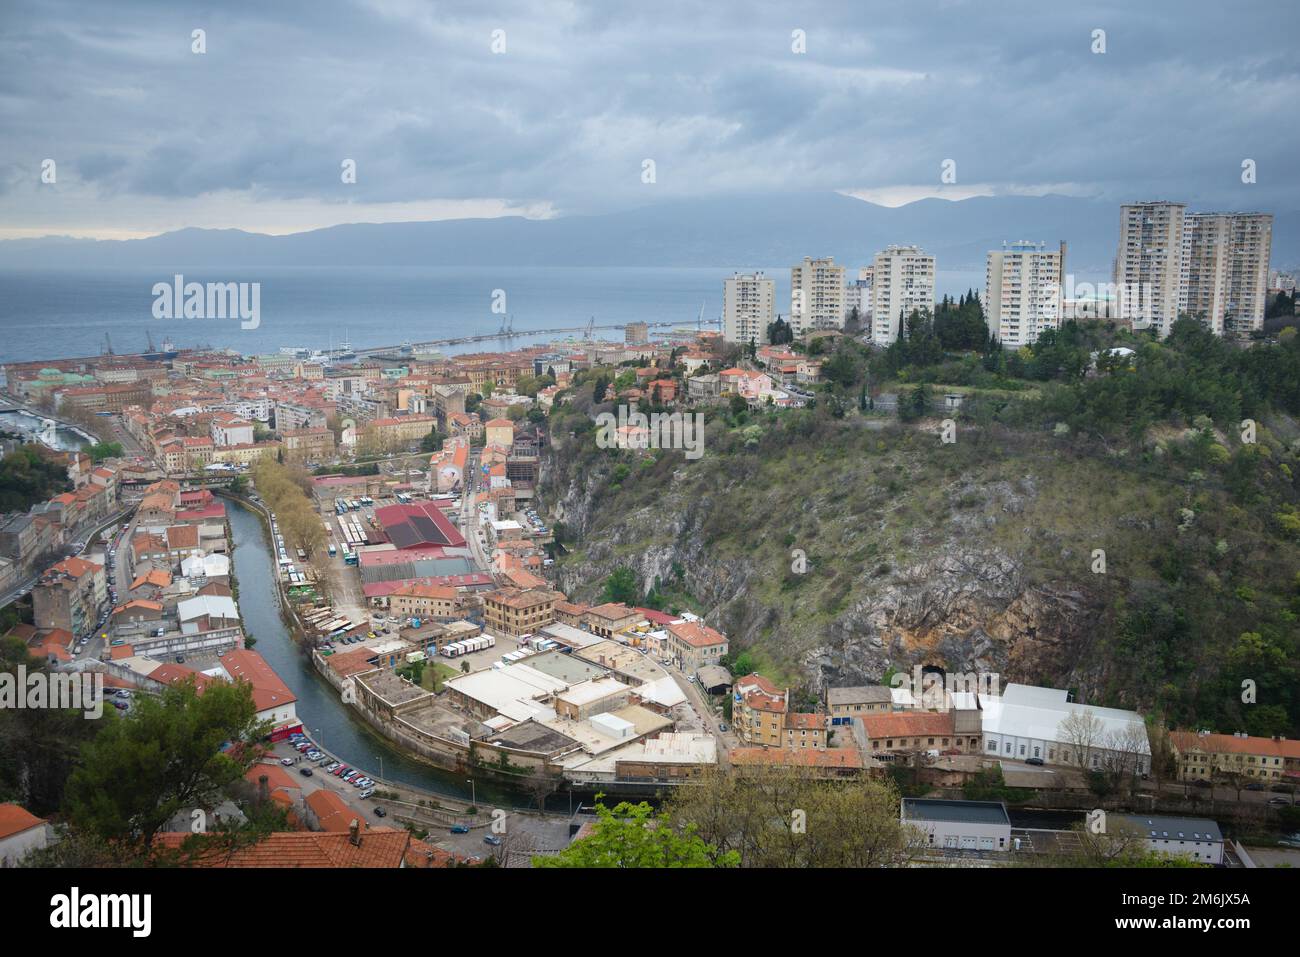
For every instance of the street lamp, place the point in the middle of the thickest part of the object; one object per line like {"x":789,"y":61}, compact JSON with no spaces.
{"x":472,"y":799}
{"x":380,"y":759}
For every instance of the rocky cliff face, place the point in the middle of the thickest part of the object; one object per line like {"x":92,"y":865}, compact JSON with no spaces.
{"x":956,"y":590}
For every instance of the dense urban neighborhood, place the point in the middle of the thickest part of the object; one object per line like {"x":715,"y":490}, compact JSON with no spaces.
{"x":421,"y":556}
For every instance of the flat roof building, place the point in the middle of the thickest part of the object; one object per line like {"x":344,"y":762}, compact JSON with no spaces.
{"x":959,"y":825}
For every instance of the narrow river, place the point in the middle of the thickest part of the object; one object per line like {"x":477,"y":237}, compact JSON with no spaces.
{"x":324,"y":717}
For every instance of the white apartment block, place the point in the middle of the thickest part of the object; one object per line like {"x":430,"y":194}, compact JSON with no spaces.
{"x":902,"y":279}
{"x":1023,"y":292}
{"x":748,"y":308}
{"x":1149,"y":264}
{"x":1225,"y":257}
{"x":1212,"y":266}
{"x":816,"y":295}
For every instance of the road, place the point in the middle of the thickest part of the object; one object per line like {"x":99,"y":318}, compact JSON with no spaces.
{"x":87,"y":534}
{"x":521,"y":835}
{"x":469,"y":514}
{"x":699,"y":701}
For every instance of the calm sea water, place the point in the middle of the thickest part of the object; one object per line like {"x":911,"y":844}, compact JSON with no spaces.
{"x":64,"y":313}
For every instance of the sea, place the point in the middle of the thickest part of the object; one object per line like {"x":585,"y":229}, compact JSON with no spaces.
{"x":65,"y":313}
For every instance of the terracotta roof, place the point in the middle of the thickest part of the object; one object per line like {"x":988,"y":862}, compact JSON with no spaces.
{"x":416,"y":590}
{"x":377,"y":847}
{"x":269,"y":690}
{"x":15,"y":819}
{"x":1231,"y":744}
{"x":612,"y":611}
{"x":276,"y":776}
{"x":183,"y":536}
{"x":157,"y":576}
{"x":695,"y":634}
{"x":175,"y":674}
{"x":332,"y":811}
{"x":797,"y":720}
{"x":908,"y":724}
{"x":76,"y":567}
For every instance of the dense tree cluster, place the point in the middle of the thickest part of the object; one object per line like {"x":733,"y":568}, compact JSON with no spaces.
{"x":29,"y":475}
{"x":287,"y":490}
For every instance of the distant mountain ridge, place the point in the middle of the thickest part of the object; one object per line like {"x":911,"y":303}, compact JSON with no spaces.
{"x":738,"y":231}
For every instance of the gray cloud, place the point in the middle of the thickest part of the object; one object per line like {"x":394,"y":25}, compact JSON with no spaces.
{"x":585,"y":92}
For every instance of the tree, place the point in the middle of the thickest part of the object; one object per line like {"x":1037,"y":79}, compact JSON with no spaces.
{"x":792,"y":817}
{"x":621,"y":586}
{"x":630,"y":835}
{"x":29,"y":475}
{"x":174,"y":753}
{"x":38,"y":746}
{"x":105,"y":450}
{"x":779,"y":332}
{"x":1084,"y":732}
{"x":915,"y":404}
{"x":433,"y":441}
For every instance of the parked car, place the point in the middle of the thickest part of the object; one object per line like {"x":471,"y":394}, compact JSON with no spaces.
{"x":1254,"y":786}
{"x":305,"y":772}
{"x":1036,"y":762}
{"x":334,"y":766}
{"x":492,"y":839}
{"x":341,"y":770}
{"x":366,"y":793}
{"x":287,"y":762}
{"x":380,"y":812}
{"x":1278,"y":802}
{"x":460,"y":829}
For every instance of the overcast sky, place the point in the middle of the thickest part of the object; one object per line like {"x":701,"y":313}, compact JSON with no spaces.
{"x":149,"y":136}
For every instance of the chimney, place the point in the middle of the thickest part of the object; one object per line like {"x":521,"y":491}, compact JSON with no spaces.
{"x":263,"y":787}
{"x":354,"y":833}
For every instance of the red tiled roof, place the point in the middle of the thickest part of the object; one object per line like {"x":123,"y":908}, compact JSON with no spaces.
{"x":332,"y":811}
{"x":696,"y":635}
{"x":377,"y":847}
{"x":908,"y":724}
{"x":15,"y":819}
{"x":269,"y":690}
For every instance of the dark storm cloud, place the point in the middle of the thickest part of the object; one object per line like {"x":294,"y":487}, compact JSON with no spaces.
{"x":585,"y":92}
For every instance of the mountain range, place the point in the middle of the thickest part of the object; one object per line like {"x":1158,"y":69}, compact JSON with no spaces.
{"x":735,"y":232}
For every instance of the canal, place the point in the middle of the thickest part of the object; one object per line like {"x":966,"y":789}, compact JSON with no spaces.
{"x":324,"y":716}
{"x":58,"y":437}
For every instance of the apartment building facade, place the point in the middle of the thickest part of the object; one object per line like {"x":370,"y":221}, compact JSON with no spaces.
{"x":1149,"y":264}
{"x":816,"y":296}
{"x":515,"y":612}
{"x":1225,"y":261}
{"x":748,"y":308}
{"x":902,"y":279}
{"x":1023,"y":292}
{"x":1202,"y":756}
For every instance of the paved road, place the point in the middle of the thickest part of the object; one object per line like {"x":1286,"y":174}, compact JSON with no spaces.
{"x":699,"y":701}
{"x":469,"y":514}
